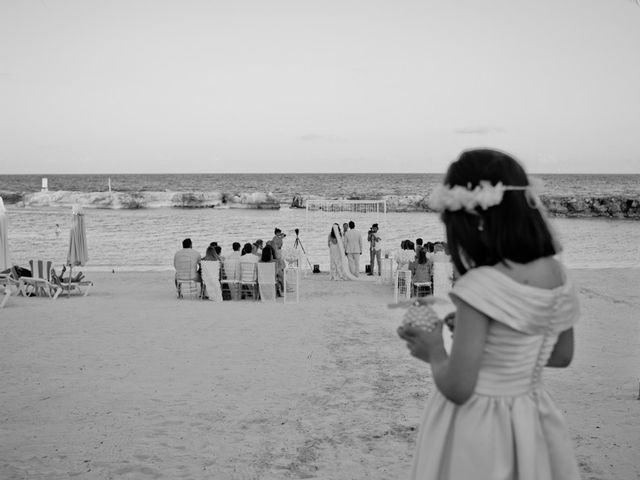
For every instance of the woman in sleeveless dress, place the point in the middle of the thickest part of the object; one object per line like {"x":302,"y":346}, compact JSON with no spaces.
{"x":491,"y":416}
{"x":338,"y":264}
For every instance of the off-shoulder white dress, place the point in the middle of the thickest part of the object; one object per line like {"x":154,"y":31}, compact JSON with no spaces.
{"x":510,"y":429}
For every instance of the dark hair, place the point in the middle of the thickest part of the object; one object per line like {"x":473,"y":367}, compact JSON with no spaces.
{"x":218,"y":249}
{"x":186,"y":243}
{"x":277,"y":231}
{"x":332,"y":234}
{"x":419,"y":241}
{"x":267,"y":254}
{"x":248,"y":248}
{"x":352,"y":225}
{"x":407,"y":245}
{"x":235,"y":246}
{"x":512,"y":230}
{"x":422,"y":256}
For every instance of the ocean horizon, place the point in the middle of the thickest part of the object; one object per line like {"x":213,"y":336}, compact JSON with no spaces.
{"x":147,"y":238}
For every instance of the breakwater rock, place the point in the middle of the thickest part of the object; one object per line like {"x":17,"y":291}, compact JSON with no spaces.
{"x":144,"y":199}
{"x":563,"y":206}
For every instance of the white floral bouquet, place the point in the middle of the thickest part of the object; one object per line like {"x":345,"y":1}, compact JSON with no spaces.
{"x":291,"y":256}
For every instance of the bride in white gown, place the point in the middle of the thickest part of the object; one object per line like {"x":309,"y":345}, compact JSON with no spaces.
{"x":338,"y":264}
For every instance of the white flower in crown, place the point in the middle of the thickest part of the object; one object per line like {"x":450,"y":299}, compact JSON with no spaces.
{"x":484,"y":195}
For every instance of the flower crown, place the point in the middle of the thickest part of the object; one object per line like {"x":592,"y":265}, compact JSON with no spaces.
{"x":484,"y":195}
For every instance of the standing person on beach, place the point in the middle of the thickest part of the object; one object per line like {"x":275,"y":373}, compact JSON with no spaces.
{"x":375,"y":249}
{"x":353,"y":248}
{"x":276,"y":245}
{"x":491,"y":416}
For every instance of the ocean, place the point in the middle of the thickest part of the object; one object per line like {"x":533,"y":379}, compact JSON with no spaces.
{"x":146,"y":237}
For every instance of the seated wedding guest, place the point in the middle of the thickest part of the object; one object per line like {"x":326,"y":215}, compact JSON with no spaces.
{"x":439,"y":254}
{"x":257,"y":247}
{"x":421,"y":269}
{"x":235,"y":253}
{"x":406,"y":255}
{"x":248,"y":255}
{"x":429,"y":249}
{"x":419,"y":246}
{"x":269,"y":255}
{"x":211,"y":253}
{"x":187,"y":262}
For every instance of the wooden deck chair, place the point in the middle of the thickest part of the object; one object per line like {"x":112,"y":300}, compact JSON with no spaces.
{"x":267,"y":280}
{"x":230,"y":279}
{"x":75,"y":284}
{"x":249,"y":280}
{"x":210,"y":270}
{"x":40,"y":281}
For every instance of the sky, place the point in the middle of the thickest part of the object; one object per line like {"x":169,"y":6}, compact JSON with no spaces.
{"x":252,"y":86}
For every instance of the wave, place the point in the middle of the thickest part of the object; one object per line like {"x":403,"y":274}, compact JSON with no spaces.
{"x":141,"y":200}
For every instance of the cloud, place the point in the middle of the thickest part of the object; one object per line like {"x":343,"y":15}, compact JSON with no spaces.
{"x":478,"y":130}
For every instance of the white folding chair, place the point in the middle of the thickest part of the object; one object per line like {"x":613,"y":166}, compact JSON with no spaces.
{"x":230,"y":278}
{"x":248,"y":280}
{"x":291,"y":284}
{"x":402,"y":285}
{"x":210,"y":271}
{"x":267,"y":280}
{"x":442,"y":278}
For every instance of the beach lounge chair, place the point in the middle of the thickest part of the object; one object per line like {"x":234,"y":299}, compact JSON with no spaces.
{"x":40,"y":281}
{"x":75,"y":284}
{"x":10,"y":283}
{"x":210,"y":271}
{"x":267,"y":280}
{"x":230,"y":279}
{"x":248,"y":280}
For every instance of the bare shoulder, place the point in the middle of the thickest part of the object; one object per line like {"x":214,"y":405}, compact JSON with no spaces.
{"x":544,"y":272}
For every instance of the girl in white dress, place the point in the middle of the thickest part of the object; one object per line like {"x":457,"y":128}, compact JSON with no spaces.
{"x":491,"y":417}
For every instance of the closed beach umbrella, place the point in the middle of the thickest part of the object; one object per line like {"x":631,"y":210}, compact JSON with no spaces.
{"x":78,"y":253}
{"x":4,"y":247}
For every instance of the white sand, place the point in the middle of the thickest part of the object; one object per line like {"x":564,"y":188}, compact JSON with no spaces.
{"x":132,"y":383}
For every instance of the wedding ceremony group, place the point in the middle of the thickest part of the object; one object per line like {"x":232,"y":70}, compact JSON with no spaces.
{"x":253,"y":270}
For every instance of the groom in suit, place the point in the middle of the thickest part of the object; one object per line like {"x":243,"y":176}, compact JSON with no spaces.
{"x":353,"y":248}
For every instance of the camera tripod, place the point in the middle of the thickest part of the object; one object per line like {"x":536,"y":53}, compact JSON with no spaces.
{"x":298,"y":243}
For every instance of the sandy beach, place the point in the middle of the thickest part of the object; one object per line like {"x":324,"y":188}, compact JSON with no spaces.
{"x":131,"y":383}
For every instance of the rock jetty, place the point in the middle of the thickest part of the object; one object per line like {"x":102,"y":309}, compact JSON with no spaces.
{"x":561,"y":206}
